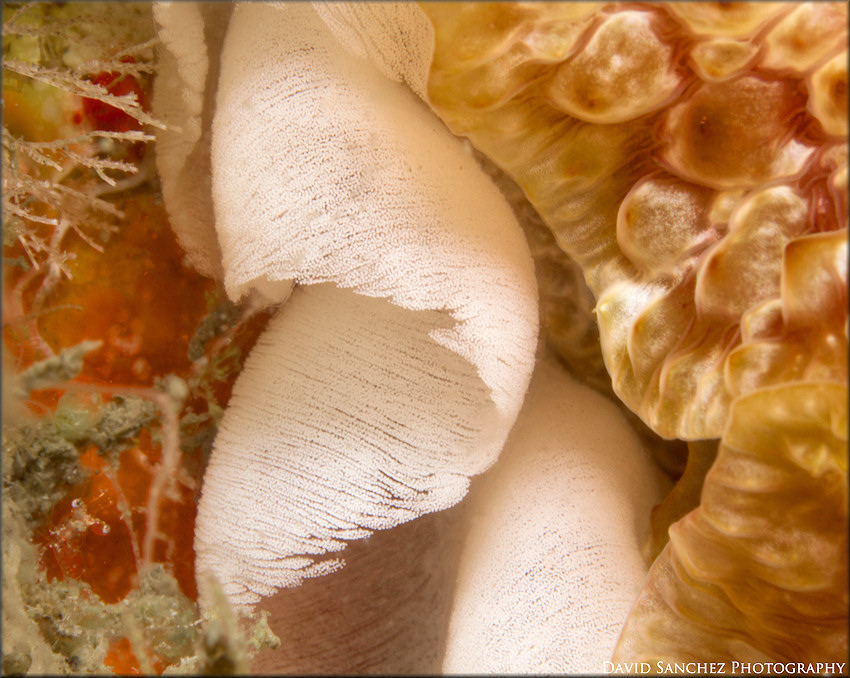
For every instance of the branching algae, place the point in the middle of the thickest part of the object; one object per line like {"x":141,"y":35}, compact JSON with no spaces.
{"x":76,"y":174}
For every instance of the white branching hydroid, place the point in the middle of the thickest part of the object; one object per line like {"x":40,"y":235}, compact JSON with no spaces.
{"x":396,"y":370}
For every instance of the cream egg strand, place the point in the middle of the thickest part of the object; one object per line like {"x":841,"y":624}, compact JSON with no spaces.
{"x":553,"y":564}
{"x":397,"y":369}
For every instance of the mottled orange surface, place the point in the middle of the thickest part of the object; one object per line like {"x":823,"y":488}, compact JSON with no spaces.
{"x":138,"y":298}
{"x":144,"y":305}
{"x":123,"y":662}
{"x":103,"y":555}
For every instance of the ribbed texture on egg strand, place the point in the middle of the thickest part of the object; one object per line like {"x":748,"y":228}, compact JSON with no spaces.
{"x":398,"y":366}
{"x":191,"y":34}
{"x":553,"y":563}
{"x":396,"y":37}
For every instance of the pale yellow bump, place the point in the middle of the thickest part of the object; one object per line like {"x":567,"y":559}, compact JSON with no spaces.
{"x":722,"y":58}
{"x":828,"y":95}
